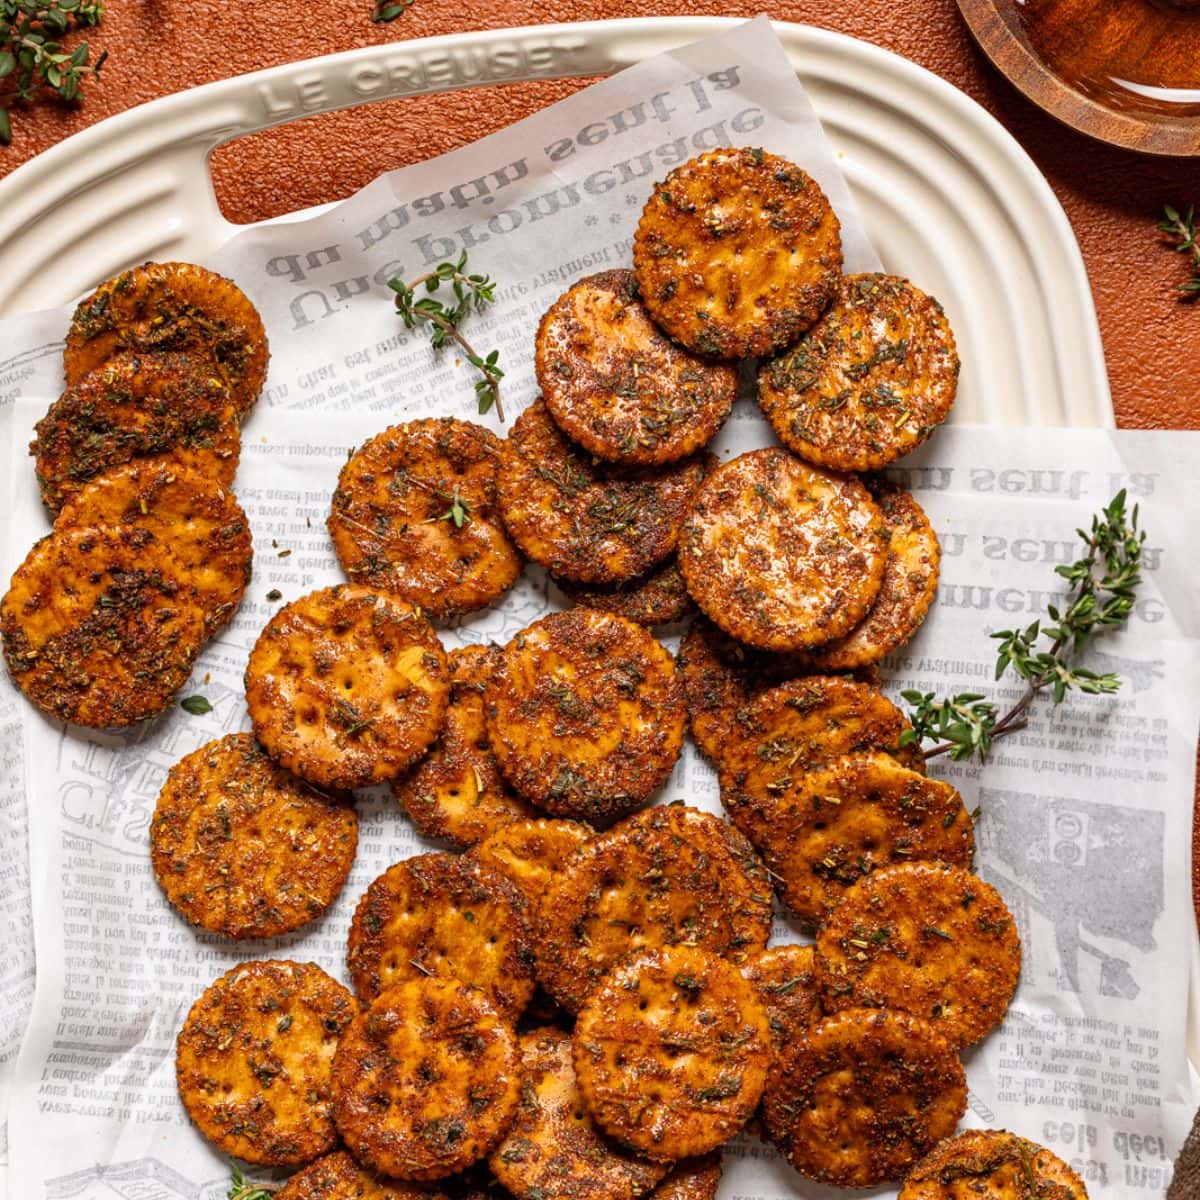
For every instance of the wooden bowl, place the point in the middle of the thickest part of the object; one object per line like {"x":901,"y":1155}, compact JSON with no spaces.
{"x":1123,"y":71}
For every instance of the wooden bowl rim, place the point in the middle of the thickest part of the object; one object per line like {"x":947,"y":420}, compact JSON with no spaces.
{"x":1177,"y":137}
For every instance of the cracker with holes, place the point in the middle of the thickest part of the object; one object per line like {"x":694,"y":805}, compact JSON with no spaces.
{"x":443,"y":915}
{"x":136,"y":406}
{"x":585,"y":714}
{"x":456,"y":792}
{"x":737,"y":253}
{"x":193,"y":516}
{"x":667,"y":875}
{"x":657,"y":598}
{"x":254,"y":1057}
{"x":991,"y":1163}
{"x":869,"y":382}
{"x":101,"y":626}
{"x":347,"y":687}
{"x":797,"y":727}
{"x":827,"y":829}
{"x":426,"y":1081}
{"x":531,"y":854}
{"x":863,"y":1094}
{"x":245,"y":849}
{"x":692,"y":1179}
{"x":671,"y":1052}
{"x":926,"y":938}
{"x":910,"y":577}
{"x":784,"y":978}
{"x":780,"y":554}
{"x":337,"y":1176}
{"x":415,"y":514}
{"x":553,"y":1151}
{"x":617,"y":386}
{"x":172,"y":306}
{"x":583,"y":520}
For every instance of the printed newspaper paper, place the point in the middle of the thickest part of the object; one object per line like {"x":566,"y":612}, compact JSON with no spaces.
{"x":1085,"y":815}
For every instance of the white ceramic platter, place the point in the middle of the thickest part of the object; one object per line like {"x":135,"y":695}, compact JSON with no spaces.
{"x":947,"y":195}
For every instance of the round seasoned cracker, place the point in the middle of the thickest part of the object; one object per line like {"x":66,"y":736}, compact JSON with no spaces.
{"x":784,"y":978}
{"x":553,"y":1151}
{"x":101,"y":626}
{"x":347,"y":687}
{"x":827,"y":829}
{"x":692,"y":1179}
{"x":585,"y":714}
{"x":861,"y":1095}
{"x":797,"y":727}
{"x":617,"y":386}
{"x":667,"y":875}
{"x":254,"y":1057}
{"x":456,"y":792}
{"x":926,"y":938}
{"x":584,"y":520}
{"x":172,"y":306}
{"x":671,"y":1052}
{"x":869,"y":382}
{"x":443,"y":915}
{"x":531,"y":854}
{"x":414,"y":514}
{"x":199,"y":520}
{"x":910,"y":578}
{"x":426,"y":1081}
{"x":780,"y":554}
{"x":243,"y":848}
{"x":337,"y":1176}
{"x":136,"y":406}
{"x":657,"y":598}
{"x":737,"y":253}
{"x":991,"y":1164}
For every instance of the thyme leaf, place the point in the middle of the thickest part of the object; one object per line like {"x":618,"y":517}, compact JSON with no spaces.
{"x":1181,"y":228}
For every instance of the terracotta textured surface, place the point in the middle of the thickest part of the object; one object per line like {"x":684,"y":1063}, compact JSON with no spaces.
{"x":1112,"y":197}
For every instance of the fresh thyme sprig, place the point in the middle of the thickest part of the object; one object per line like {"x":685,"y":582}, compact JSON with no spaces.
{"x":32,"y":57}
{"x":459,"y":511}
{"x":471,"y":292}
{"x":241,"y":1188}
{"x":1181,"y":228}
{"x":1102,"y":588}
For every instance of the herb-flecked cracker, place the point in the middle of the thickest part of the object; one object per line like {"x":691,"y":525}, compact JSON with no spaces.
{"x":991,"y":1164}
{"x":426,"y":1081}
{"x":869,"y":382}
{"x":553,"y":1151}
{"x":531,"y":854}
{"x":828,"y":828}
{"x":780,"y":554}
{"x":585,"y":714}
{"x":801,"y":726}
{"x":101,"y":626}
{"x":443,"y":915}
{"x":172,"y":306}
{"x":926,"y":938}
{"x":657,"y":598}
{"x":584,"y":520}
{"x":857,"y":1098}
{"x":667,"y":875}
{"x":200,"y":521}
{"x":337,"y":1176}
{"x":617,"y":386}
{"x":456,"y":791}
{"x":737,"y":253}
{"x":784,"y":978}
{"x":136,"y":406}
{"x":692,"y":1179}
{"x":671,"y":1052}
{"x":253,"y":1061}
{"x":414,"y":514}
{"x":347,"y":687}
{"x":245,"y":849}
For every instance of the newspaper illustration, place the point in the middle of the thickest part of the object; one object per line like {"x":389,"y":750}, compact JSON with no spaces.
{"x":1085,"y":814}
